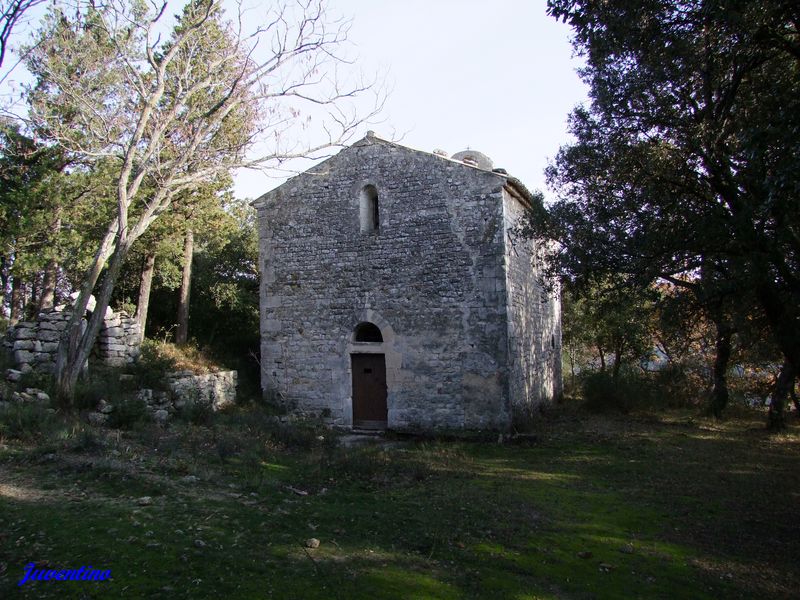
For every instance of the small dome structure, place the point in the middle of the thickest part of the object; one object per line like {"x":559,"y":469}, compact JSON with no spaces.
{"x":474,"y":158}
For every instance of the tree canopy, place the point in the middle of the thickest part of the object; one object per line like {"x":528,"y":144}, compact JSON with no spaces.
{"x":174,"y":112}
{"x":686,"y":163}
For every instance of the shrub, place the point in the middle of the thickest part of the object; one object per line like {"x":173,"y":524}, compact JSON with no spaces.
{"x":127,"y":413}
{"x":197,"y":413}
{"x":34,"y":379}
{"x":603,"y":393}
{"x":171,"y":357}
{"x":228,"y":446}
{"x":27,"y":422}
{"x":677,"y":386}
{"x":103,"y":384}
{"x":86,"y":439}
{"x":152,"y":365}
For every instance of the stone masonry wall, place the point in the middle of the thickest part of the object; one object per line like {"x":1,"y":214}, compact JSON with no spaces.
{"x":216,"y":390}
{"x":33,"y":344}
{"x":432,"y":278}
{"x":534,"y":322}
{"x":213,"y":390}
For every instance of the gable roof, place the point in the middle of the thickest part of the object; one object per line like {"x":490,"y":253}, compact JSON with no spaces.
{"x":512,"y":185}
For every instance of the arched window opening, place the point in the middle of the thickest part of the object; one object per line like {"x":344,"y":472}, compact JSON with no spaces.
{"x":368,"y":332}
{"x":370,"y":216}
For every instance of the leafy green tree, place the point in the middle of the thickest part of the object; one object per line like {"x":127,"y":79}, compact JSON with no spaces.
{"x":685,"y":164}
{"x":612,"y":321}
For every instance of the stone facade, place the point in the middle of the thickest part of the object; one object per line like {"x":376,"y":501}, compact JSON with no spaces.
{"x":33,"y":344}
{"x":470,"y":336}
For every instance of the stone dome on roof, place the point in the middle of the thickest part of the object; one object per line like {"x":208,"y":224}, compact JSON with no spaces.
{"x":477,"y":159}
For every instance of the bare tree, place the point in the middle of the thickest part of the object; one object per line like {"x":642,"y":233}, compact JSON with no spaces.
{"x":12,"y":13}
{"x":178,"y":111}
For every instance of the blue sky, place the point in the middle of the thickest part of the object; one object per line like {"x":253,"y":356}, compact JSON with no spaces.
{"x":496,"y":76}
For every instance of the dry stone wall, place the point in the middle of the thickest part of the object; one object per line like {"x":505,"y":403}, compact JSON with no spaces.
{"x":33,"y":344}
{"x":212,"y":390}
{"x":216,"y":390}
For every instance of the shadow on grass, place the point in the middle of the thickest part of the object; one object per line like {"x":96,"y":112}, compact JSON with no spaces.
{"x":646,"y":509}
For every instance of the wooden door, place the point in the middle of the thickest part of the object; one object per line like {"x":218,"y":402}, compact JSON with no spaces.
{"x":369,"y":391}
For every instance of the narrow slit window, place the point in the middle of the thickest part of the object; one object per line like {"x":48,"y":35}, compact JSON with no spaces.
{"x":370,"y":212}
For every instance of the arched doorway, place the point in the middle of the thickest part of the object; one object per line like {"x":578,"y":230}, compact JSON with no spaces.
{"x":369,"y":379}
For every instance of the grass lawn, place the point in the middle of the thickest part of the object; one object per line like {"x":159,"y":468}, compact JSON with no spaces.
{"x":645,"y":506}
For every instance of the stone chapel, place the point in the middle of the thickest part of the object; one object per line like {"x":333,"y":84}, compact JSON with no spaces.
{"x":396,"y":293}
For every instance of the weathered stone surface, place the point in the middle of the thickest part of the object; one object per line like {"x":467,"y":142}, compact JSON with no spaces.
{"x":23,"y":356}
{"x":97,"y":419}
{"x":467,"y":340}
{"x":216,"y":390}
{"x":34,"y":344}
{"x":48,"y":335}
{"x":47,"y":347}
{"x":23,"y":333}
{"x":24,"y":344}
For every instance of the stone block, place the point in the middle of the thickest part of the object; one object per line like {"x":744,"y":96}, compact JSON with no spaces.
{"x":56,"y":315}
{"x":114,"y":347}
{"x":49,"y":335}
{"x":272,"y":325}
{"x":23,"y":333}
{"x":23,"y":356}
{"x":97,"y":419}
{"x":46,"y":367}
{"x":49,"y":347}
{"x":29,"y":344}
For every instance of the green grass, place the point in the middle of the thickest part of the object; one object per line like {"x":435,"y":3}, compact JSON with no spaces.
{"x":600,"y":507}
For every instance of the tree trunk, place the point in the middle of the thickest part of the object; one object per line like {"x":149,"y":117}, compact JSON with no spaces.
{"x":17,"y":299}
{"x":182,"y":335}
{"x":795,"y":399}
{"x":68,"y":365}
{"x":144,"y":291}
{"x":775,"y":417}
{"x":617,"y":363}
{"x":602,"y":358}
{"x":719,"y":393}
{"x":76,"y":361}
{"x":48,"y":295}
{"x":783,"y":321}
{"x":4,"y":275}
